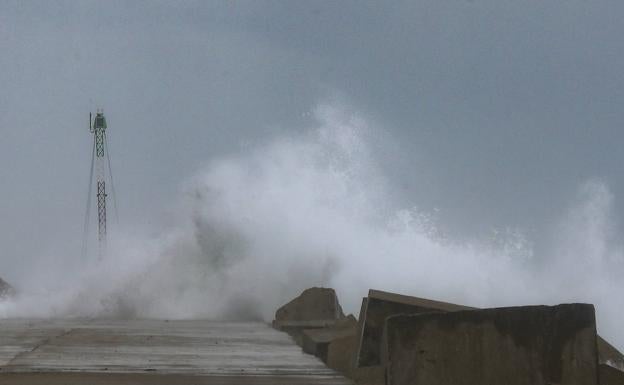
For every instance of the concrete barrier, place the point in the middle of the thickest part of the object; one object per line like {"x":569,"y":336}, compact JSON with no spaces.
{"x":529,"y":345}
{"x":609,"y":355}
{"x":316,"y":303}
{"x":340,"y":357}
{"x":371,"y":375}
{"x":340,"y":354}
{"x":378,"y":306}
{"x":317,"y":341}
{"x":610,"y":376}
{"x":295,"y":328}
{"x":314,"y":308}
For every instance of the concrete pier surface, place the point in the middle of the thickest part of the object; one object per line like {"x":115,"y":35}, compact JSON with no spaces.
{"x":96,"y":351}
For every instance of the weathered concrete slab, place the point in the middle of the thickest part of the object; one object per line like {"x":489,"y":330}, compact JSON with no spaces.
{"x":65,"y":378}
{"x":295,"y":328}
{"x":340,"y":354}
{"x":150,"y":351}
{"x":370,"y":375}
{"x":291,"y":325}
{"x":530,"y":345}
{"x":609,"y":355}
{"x":317,"y":303}
{"x":317,"y":341}
{"x":378,"y":306}
{"x":314,"y":308}
{"x":610,"y":376}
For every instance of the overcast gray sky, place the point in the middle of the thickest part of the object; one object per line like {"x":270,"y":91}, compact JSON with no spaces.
{"x":498,"y":110}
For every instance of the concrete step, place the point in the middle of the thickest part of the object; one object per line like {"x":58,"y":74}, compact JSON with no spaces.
{"x":113,"y":351}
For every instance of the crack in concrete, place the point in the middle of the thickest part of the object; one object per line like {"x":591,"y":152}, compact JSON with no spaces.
{"x":37,"y":346}
{"x":44,"y":342}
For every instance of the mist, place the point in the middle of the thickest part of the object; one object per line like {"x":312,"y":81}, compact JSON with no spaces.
{"x":464,"y":151}
{"x":253,"y":228}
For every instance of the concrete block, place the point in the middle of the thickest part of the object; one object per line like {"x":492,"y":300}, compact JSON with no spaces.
{"x":529,"y":345}
{"x":609,"y":355}
{"x":315,"y":308}
{"x":295,"y":328}
{"x":340,"y":354}
{"x":317,"y":341}
{"x":609,"y":375}
{"x":316,"y":303}
{"x":371,"y":375}
{"x":380,"y":305}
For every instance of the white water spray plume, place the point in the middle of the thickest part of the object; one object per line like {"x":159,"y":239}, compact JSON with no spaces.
{"x":256,"y":228}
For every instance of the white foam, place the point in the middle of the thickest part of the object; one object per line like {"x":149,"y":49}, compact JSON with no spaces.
{"x":256,"y":228}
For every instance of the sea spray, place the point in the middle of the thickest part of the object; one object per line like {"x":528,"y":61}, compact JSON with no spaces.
{"x":256,"y":228}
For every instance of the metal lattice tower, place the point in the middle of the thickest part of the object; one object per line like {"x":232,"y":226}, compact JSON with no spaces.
{"x":99,"y":130}
{"x":99,"y":162}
